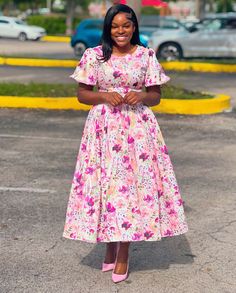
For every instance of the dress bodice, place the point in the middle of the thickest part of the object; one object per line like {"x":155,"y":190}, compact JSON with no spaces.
{"x":120,"y":73}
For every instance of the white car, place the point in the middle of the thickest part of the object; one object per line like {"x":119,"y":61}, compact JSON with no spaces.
{"x":11,"y":27}
{"x":213,"y":37}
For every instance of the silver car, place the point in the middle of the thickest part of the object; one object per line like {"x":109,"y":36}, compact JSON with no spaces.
{"x":11,"y":27}
{"x":213,"y":37}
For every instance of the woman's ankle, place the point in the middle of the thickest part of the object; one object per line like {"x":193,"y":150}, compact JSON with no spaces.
{"x":110,"y":252}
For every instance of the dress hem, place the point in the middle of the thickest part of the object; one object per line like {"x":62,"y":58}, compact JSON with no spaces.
{"x":125,"y":240}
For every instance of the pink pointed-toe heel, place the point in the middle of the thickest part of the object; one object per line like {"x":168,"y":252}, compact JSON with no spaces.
{"x":107,"y":267}
{"x":116,"y":278}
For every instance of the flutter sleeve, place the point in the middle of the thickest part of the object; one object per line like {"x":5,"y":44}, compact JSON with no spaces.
{"x":155,"y":74}
{"x":87,"y":69}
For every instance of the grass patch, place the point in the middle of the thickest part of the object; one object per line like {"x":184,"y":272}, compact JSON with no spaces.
{"x":69,"y":90}
{"x":173,"y":92}
{"x":38,"y":90}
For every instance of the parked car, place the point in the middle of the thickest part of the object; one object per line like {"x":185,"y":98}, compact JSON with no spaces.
{"x":155,"y":22}
{"x":212,"y":37}
{"x":11,"y":27}
{"x":88,"y":34}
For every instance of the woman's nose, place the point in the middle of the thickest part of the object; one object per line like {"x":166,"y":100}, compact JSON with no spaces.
{"x":120,"y":30}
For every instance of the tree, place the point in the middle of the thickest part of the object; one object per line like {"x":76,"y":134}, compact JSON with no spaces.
{"x":70,"y":12}
{"x":225,"y":6}
{"x":200,"y":8}
{"x":136,"y":5}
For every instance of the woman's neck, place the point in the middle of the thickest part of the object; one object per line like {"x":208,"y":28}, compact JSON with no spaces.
{"x":123,"y":50}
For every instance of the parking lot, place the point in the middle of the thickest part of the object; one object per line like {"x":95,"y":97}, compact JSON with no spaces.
{"x":38,"y":154}
{"x":35,"y":49}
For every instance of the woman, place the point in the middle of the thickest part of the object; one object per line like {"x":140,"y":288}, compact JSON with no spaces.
{"x":124,"y":188}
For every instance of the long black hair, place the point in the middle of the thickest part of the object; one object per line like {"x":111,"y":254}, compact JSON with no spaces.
{"x":106,"y":39}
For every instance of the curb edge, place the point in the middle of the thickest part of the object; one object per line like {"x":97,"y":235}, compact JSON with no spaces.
{"x":218,"y":104}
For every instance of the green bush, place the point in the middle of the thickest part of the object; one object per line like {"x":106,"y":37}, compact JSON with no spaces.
{"x":149,"y":10}
{"x":54,"y":25}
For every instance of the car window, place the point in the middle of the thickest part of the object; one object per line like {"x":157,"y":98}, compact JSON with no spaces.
{"x":168,"y":24}
{"x":20,"y":22}
{"x":231,"y":24}
{"x":94,"y":26}
{"x":212,"y":24}
{"x":3,"y":21}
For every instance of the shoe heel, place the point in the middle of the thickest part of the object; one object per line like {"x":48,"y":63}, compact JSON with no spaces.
{"x":107,"y":267}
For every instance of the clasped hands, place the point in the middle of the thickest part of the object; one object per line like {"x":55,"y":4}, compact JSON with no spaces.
{"x":131,"y":98}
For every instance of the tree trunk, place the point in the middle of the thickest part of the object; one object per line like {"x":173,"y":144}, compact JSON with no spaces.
{"x":70,"y":13}
{"x":136,"y":5}
{"x":200,"y":8}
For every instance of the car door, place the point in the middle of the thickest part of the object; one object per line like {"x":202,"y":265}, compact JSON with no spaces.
{"x":4,"y":28}
{"x":8,"y":28}
{"x":207,"y":41}
{"x":93,"y":33}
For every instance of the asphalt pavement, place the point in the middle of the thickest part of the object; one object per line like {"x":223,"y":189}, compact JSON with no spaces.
{"x":38,"y":155}
{"x":35,"y":49}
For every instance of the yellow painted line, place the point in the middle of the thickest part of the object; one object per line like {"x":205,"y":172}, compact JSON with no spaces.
{"x":62,"y":39}
{"x":38,"y":62}
{"x":170,"y":106}
{"x":2,"y":61}
{"x":197,"y":66}
{"x":176,"y":66}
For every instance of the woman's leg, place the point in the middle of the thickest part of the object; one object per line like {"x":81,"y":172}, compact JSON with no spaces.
{"x":122,"y":258}
{"x":110,"y":252}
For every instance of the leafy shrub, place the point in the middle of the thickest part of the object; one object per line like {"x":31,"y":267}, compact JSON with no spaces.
{"x":54,"y":25}
{"x":149,"y":10}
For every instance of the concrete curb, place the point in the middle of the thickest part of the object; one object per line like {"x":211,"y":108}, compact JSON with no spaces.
{"x":176,"y":66}
{"x":198,"y":66}
{"x":169,"y":106}
{"x":37,"y":62}
{"x":62,"y":39}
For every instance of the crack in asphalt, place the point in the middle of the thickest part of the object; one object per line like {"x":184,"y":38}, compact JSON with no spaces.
{"x":52,"y":247}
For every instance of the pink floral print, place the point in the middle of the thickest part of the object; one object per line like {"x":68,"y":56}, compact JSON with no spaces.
{"x":124,"y":187}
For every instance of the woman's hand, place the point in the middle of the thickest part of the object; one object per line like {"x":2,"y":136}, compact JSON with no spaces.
{"x":113,"y":98}
{"x":134,"y":98}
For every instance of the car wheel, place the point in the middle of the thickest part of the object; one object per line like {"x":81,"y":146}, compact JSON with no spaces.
{"x":22,"y":37}
{"x":79,"y":49}
{"x":170,"y":52}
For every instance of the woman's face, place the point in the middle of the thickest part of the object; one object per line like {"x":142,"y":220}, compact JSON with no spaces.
{"x":122,"y":29}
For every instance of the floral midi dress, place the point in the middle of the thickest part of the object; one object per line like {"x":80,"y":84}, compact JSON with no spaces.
{"x":124,"y":187}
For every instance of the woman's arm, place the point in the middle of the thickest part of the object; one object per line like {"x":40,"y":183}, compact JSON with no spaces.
{"x":151,"y":97}
{"x":86,"y":95}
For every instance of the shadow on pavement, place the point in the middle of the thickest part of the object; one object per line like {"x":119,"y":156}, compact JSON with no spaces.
{"x":148,"y":255}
